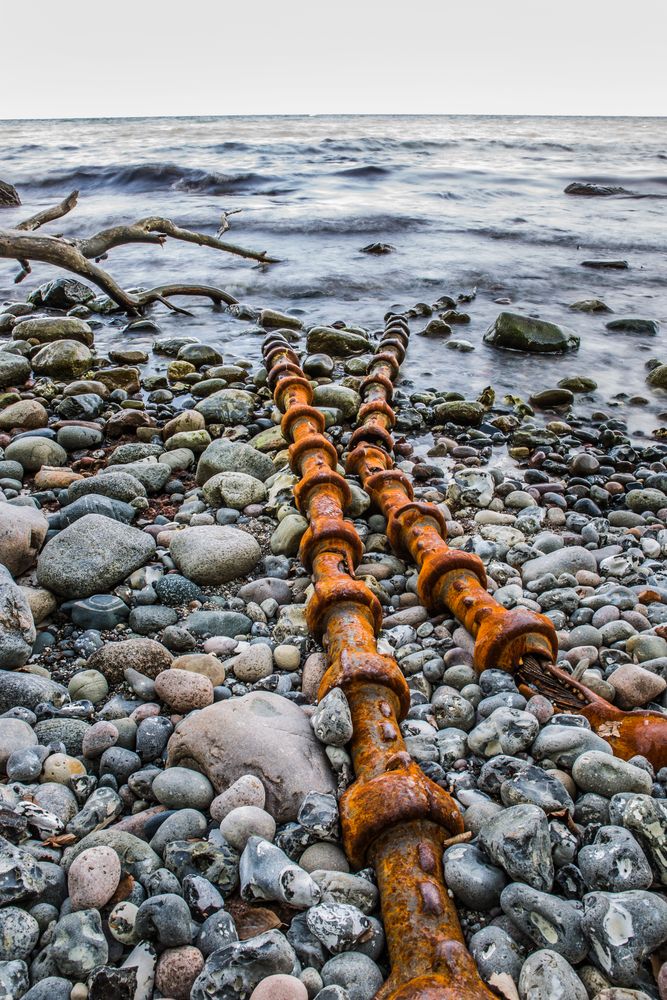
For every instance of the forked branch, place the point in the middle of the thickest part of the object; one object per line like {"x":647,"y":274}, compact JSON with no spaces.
{"x":23,"y":244}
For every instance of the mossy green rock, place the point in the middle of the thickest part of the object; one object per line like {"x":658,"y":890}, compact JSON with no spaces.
{"x":47,"y":329}
{"x":578,"y":383}
{"x":658,"y":377}
{"x":227,"y":407}
{"x":552,"y":397}
{"x":590,"y":306}
{"x":460,"y":411}
{"x":64,"y":359}
{"x":634,"y":324}
{"x":513,"y":332}
{"x":340,"y":343}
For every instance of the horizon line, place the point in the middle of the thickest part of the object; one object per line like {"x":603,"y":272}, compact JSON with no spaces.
{"x":325,"y":114}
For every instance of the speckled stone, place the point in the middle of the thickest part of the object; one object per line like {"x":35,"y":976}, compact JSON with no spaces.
{"x":518,"y":840}
{"x":93,"y":878}
{"x":176,"y":971}
{"x":247,"y":790}
{"x":184,"y":690}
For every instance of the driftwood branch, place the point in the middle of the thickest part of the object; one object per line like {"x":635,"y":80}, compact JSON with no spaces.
{"x":15,"y":244}
{"x":224,"y":220}
{"x":23,"y":244}
{"x":49,"y":214}
{"x":155,"y":229}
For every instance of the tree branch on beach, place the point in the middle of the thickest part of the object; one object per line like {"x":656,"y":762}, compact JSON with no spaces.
{"x":23,"y":244}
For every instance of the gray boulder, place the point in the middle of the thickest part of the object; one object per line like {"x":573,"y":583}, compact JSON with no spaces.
{"x":233,"y":456}
{"x":92,"y":556}
{"x":228,"y":407}
{"x":261,"y":734}
{"x":570,"y":559}
{"x":214,"y":554}
{"x":14,"y":369}
{"x":17,"y":628}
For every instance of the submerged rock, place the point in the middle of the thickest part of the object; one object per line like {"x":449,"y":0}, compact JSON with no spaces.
{"x":513,"y":332}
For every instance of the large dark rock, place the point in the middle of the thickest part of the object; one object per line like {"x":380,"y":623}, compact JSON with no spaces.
{"x":9,"y":196}
{"x":513,"y":332}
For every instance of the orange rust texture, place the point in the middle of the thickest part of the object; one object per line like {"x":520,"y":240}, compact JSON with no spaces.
{"x":392,"y":816}
{"x":456,"y":580}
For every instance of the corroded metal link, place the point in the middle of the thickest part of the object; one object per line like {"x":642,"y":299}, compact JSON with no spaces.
{"x":393,"y":816}
{"x":380,"y":380}
{"x":370,"y":433}
{"x":447,"y":578}
{"x":298,"y":412}
{"x":320,"y":477}
{"x":517,"y":640}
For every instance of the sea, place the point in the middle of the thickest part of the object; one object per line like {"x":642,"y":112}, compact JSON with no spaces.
{"x":470,"y":204}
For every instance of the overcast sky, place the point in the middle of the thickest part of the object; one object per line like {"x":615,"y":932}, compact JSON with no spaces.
{"x":90,"y":58}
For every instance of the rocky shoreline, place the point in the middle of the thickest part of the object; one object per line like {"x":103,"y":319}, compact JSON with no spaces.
{"x":169,"y":815}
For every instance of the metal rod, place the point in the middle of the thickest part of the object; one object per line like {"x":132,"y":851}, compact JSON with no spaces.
{"x":517,"y":640}
{"x":392,"y":816}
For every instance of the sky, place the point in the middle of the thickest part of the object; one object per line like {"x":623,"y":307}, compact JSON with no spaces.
{"x":89,"y":58}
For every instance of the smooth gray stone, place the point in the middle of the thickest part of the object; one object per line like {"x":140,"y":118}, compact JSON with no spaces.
{"x":471,"y":878}
{"x":496,"y":952}
{"x":614,"y":862}
{"x":518,"y":840}
{"x":92,"y":555}
{"x":235,"y":969}
{"x":623,"y":929}
{"x":547,"y":920}
{"x":546,"y":975}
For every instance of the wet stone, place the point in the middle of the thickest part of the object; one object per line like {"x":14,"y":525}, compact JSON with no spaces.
{"x":496,"y":952}
{"x":236,"y":969}
{"x":549,"y":921}
{"x":338,"y":926}
{"x":518,"y":840}
{"x":546,"y":975}
{"x":614,"y":862}
{"x":475,"y":882}
{"x":623,"y":928}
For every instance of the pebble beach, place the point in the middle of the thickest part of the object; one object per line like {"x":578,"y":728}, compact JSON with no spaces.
{"x":169,"y":824}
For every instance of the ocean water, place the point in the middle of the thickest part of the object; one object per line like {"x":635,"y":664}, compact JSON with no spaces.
{"x":467,"y":202}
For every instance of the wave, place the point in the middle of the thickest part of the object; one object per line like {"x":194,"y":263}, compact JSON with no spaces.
{"x":153,"y":177}
{"x":345,"y":226}
{"x":362,"y":172}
